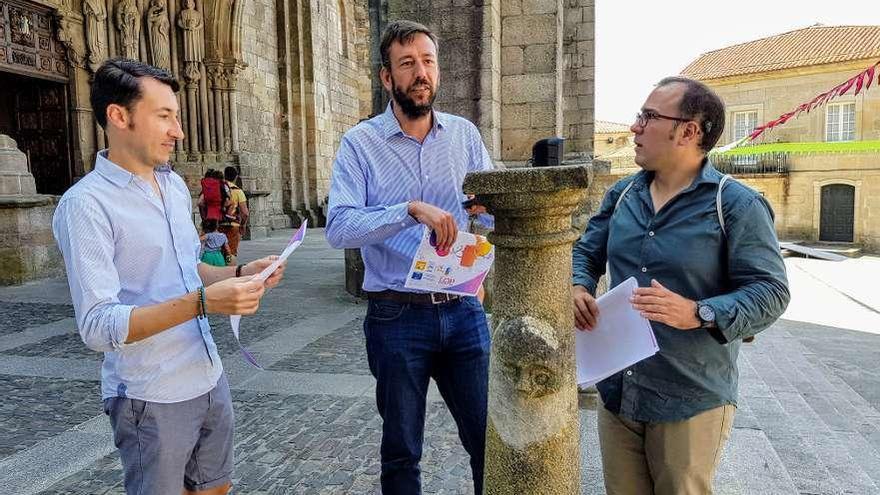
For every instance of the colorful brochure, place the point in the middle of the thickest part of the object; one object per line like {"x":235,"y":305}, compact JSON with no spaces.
{"x":460,"y":271}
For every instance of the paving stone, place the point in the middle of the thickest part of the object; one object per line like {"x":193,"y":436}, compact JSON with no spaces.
{"x":18,"y":316}
{"x":68,"y":345}
{"x":309,"y":444}
{"x":34,"y":409}
{"x":342,"y":351}
{"x":252,"y":329}
{"x":807,"y":421}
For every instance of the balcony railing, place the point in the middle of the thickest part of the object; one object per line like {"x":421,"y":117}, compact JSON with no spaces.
{"x":764,"y":163}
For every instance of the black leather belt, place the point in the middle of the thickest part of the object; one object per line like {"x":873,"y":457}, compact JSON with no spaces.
{"x":424,"y":298}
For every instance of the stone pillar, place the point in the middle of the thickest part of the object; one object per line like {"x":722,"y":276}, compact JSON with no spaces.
{"x":578,"y":85}
{"x":532,"y":433}
{"x":531,"y":75}
{"x":27,"y":248}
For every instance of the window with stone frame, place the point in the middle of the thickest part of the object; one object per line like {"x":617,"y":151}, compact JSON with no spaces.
{"x":744,"y":123}
{"x":343,"y":25}
{"x":840,"y":122}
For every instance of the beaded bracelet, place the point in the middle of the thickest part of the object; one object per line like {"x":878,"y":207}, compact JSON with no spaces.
{"x":202,"y":311}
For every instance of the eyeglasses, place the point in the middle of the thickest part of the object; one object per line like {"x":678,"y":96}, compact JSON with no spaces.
{"x":642,"y":118}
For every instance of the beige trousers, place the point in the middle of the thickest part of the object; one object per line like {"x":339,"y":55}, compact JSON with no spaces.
{"x":674,"y":458}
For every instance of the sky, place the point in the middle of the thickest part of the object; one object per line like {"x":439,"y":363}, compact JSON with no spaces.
{"x":638,"y":42}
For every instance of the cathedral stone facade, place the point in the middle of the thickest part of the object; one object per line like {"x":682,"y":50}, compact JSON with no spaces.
{"x":270,"y":86}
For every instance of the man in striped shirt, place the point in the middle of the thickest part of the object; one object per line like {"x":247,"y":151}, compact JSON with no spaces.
{"x":141,"y":296}
{"x":392,"y":173}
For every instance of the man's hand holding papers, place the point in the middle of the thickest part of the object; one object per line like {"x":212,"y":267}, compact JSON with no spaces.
{"x":621,"y":338}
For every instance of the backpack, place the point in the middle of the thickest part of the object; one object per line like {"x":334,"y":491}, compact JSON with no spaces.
{"x":212,"y":191}
{"x":233,"y":211}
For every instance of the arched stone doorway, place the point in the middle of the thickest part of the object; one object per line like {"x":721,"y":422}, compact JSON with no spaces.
{"x":34,"y":100}
{"x":837,"y":215}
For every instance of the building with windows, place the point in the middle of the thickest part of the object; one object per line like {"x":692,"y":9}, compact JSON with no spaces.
{"x":821,"y":170}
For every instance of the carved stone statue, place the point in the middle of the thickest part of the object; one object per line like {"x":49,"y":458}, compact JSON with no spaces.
{"x":94,"y":16}
{"x":66,"y":37}
{"x":159,"y":25}
{"x":129,"y":28}
{"x":192,"y":23}
{"x":528,"y":373}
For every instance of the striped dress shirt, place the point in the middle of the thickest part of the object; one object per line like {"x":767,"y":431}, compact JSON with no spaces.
{"x":124,"y":247}
{"x":378,"y":170}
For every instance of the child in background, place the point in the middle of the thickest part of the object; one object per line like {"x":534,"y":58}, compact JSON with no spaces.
{"x":214,"y":245}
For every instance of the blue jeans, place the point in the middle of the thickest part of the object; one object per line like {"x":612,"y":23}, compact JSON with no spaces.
{"x":406,"y":345}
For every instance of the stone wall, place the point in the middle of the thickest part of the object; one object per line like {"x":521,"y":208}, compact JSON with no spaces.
{"x":342,"y":41}
{"x":27,"y":247}
{"x":468,"y":57}
{"x":521,"y":70}
{"x":796,"y":197}
{"x":579,"y":63}
{"x":259,"y":122}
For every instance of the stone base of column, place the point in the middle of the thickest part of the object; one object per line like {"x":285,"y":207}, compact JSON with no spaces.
{"x":27,"y":248}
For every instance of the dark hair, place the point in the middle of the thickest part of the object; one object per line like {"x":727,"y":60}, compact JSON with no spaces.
{"x":401,"y":32}
{"x":209,"y":174}
{"x":230,"y":173}
{"x":116,"y":82}
{"x":702,"y":104}
{"x":210,"y":225}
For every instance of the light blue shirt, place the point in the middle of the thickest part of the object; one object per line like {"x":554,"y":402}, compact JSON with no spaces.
{"x":378,"y":170}
{"x":125,"y":247}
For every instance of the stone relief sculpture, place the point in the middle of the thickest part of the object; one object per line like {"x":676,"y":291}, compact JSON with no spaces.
{"x":158,"y":24}
{"x":191,"y":22}
{"x":129,"y":28}
{"x":526,"y":369}
{"x":66,"y":38}
{"x":94,"y":16}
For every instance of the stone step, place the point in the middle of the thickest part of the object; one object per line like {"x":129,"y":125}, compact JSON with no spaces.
{"x":847,"y":414}
{"x":751,"y":465}
{"x":822,"y":451}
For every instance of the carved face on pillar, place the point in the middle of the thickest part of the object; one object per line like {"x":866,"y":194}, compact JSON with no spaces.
{"x":526,"y":376}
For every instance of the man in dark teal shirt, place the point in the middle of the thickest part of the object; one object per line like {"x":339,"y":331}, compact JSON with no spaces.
{"x":703,"y":285}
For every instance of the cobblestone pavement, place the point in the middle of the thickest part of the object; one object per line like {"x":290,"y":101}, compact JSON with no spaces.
{"x":807,"y":421}
{"x":20,"y":315}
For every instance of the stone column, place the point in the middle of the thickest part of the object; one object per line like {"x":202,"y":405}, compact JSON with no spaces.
{"x":532,"y":433}
{"x":218,"y":85}
{"x":27,"y":248}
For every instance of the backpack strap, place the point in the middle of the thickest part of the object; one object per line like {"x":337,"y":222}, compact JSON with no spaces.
{"x":718,"y":208}
{"x":622,"y":194}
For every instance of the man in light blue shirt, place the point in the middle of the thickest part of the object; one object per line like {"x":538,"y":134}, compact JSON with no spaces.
{"x":400,"y":169}
{"x":141,"y":296}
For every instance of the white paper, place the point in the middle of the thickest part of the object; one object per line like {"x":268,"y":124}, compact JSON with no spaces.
{"x":621,"y":337}
{"x":235,"y":320}
{"x":460,"y":271}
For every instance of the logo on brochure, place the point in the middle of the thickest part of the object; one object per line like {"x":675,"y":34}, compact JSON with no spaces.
{"x":417,"y":275}
{"x":421,"y":265}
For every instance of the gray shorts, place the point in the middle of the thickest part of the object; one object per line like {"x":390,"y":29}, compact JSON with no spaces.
{"x":166,"y":447}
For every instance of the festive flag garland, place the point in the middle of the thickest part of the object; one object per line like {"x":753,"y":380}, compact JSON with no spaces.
{"x":861,"y":82}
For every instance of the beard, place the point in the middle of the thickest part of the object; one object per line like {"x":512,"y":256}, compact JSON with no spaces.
{"x":408,"y":106}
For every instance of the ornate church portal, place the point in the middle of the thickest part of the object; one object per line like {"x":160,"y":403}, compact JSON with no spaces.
{"x":33,"y":99}
{"x":50,"y":50}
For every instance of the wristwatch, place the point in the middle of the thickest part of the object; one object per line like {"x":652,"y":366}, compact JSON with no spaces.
{"x":706,"y":315}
